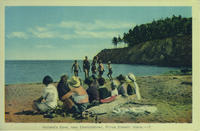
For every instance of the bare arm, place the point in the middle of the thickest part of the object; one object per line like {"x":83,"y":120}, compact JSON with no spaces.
{"x":69,"y":94}
{"x":39,"y":99}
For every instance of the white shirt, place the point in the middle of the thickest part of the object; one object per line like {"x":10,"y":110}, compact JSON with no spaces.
{"x":114,"y":92}
{"x":50,"y":95}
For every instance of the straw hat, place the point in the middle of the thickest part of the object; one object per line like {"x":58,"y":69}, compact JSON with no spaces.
{"x":74,"y":82}
{"x":130,"y":77}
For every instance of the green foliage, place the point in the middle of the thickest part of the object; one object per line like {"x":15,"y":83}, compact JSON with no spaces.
{"x":172,"y":51}
{"x":115,"y":41}
{"x":159,"y":29}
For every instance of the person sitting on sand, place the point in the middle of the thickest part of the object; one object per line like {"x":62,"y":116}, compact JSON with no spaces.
{"x":122,"y":89}
{"x":86,"y":67}
{"x":100,"y":69}
{"x":76,"y":68}
{"x":131,"y":78}
{"x":77,"y":97}
{"x":103,"y":91}
{"x":114,"y":86}
{"x":92,"y":90}
{"x":109,"y":70}
{"x":105,"y":95}
{"x":63,"y":87}
{"x":48,"y":100}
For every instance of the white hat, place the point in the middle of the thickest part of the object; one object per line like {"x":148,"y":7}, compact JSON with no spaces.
{"x":130,"y":77}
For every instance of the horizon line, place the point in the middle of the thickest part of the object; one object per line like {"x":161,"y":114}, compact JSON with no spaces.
{"x":40,"y":59}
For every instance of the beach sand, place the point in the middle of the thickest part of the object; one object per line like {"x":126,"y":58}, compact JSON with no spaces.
{"x":172,"y":96}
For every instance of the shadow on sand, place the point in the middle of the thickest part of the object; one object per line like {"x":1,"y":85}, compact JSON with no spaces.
{"x":28,"y":112}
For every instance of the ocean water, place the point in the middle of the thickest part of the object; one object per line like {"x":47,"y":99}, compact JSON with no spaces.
{"x":33,"y":71}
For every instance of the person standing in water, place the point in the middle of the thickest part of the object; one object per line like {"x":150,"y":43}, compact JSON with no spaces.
{"x":94,"y":68}
{"x":76,"y":68}
{"x":86,"y":67}
{"x":109,"y":70}
{"x":100,"y":68}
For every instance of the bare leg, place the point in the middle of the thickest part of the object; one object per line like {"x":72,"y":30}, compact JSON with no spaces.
{"x":76,"y":73}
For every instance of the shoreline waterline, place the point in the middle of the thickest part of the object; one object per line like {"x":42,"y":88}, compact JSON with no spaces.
{"x":34,"y":71}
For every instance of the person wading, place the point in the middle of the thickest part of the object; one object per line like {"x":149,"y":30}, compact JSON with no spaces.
{"x":86,"y":67}
{"x":109,"y":70}
{"x":100,"y":69}
{"x":94,"y":68}
{"x":76,"y":68}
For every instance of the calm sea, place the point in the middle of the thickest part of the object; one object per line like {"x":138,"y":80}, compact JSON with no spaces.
{"x":34,"y":71}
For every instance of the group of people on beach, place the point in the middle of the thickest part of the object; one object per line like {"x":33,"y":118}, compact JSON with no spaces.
{"x":86,"y":67}
{"x":77,"y":95}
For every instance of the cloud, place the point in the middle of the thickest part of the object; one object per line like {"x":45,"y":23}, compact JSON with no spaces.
{"x":92,"y":34}
{"x":42,"y":33}
{"x":97,"y":24}
{"x":44,"y":46}
{"x":38,"y":28}
{"x":75,"y":29}
{"x":22,"y":35}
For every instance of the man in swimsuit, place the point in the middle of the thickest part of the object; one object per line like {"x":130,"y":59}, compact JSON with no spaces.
{"x":101,"y":69}
{"x":109,"y":70}
{"x":86,"y":67}
{"x":76,"y":68}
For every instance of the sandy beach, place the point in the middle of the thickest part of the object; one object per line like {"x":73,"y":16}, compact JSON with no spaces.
{"x":172,"y":95}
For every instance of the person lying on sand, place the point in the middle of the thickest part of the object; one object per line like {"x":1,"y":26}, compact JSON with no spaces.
{"x":48,"y":100}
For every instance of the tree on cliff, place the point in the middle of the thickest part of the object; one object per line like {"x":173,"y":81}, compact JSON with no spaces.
{"x":115,"y":41}
{"x":163,"y":28}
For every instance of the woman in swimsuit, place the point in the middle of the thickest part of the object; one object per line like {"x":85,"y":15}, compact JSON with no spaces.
{"x":77,"y":95}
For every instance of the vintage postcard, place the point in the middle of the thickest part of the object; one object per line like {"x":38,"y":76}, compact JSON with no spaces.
{"x":100,"y":65}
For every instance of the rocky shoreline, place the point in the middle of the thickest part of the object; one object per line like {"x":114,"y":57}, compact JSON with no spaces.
{"x":172,"y":52}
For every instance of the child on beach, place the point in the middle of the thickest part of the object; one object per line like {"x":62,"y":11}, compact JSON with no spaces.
{"x":76,"y":68}
{"x":109,"y":70}
{"x":48,"y":100}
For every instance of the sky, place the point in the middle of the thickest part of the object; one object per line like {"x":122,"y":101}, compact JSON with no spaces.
{"x":73,"y":32}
